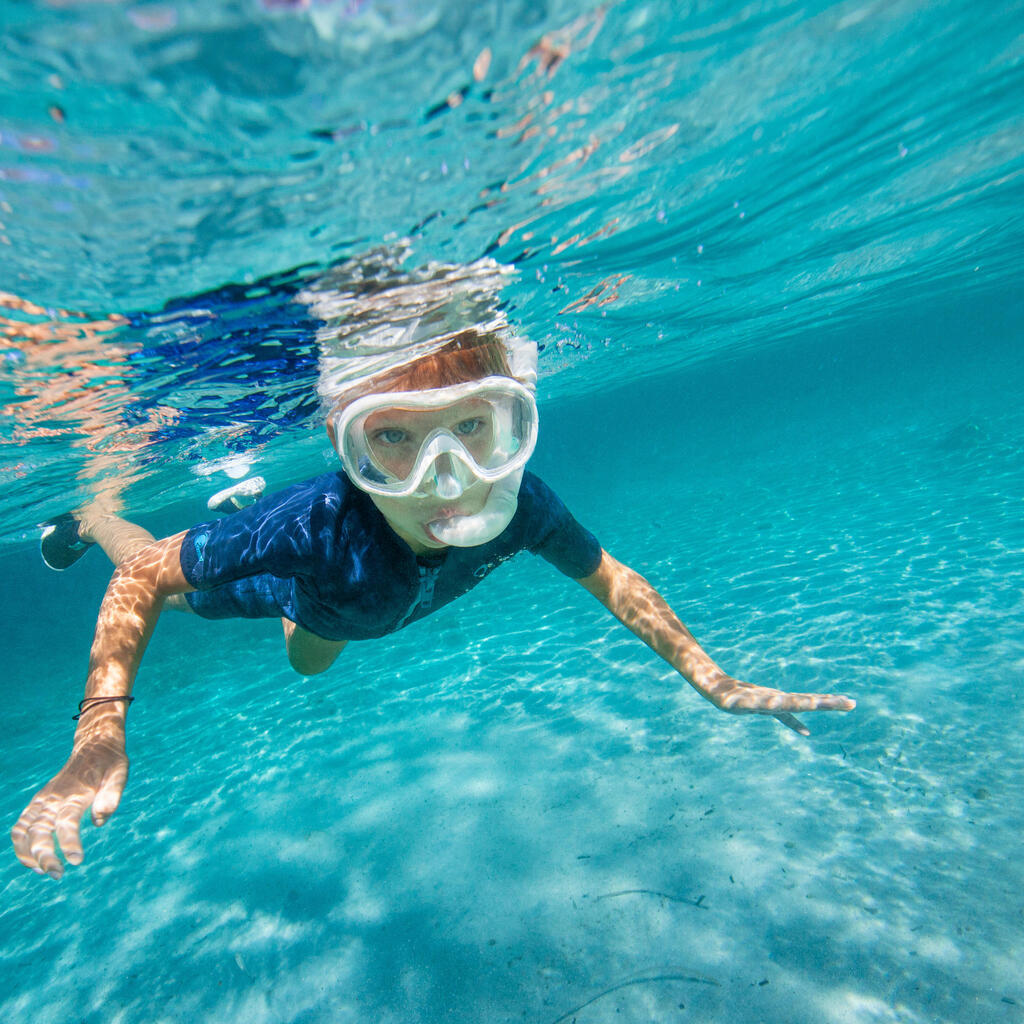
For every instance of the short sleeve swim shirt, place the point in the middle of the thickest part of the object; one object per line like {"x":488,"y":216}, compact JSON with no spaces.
{"x":321,"y":554}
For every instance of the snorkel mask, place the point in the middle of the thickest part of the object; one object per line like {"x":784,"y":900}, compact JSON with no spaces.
{"x":439,"y":443}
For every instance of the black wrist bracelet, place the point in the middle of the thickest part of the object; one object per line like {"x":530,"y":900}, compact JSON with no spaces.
{"x":94,"y":701}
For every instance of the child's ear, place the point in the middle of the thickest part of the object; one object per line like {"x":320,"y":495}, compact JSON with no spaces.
{"x":331,"y":433}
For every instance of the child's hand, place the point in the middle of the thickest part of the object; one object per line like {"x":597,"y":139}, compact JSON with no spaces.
{"x":728,"y":694}
{"x":94,"y":776}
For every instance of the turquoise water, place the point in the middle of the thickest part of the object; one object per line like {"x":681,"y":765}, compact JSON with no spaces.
{"x":803,"y":424}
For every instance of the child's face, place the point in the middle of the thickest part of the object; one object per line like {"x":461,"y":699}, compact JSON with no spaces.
{"x":396,"y":436}
{"x":430,"y":459}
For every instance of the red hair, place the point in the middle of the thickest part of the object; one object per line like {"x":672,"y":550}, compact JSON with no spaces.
{"x":467,"y":357}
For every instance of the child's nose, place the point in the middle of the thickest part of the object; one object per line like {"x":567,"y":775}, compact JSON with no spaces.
{"x":446,"y":481}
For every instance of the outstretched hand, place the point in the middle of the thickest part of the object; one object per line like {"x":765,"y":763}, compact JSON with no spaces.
{"x":94,"y":776}
{"x":738,"y":698}
{"x":639,"y":607}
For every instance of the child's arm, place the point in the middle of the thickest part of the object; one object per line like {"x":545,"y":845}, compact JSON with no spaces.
{"x":97,"y":769}
{"x":639,"y":607}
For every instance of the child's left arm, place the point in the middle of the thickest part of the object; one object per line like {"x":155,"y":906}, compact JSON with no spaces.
{"x":639,"y":607}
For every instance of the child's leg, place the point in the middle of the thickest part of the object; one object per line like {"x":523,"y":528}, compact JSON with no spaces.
{"x":308,"y":653}
{"x":120,"y":540}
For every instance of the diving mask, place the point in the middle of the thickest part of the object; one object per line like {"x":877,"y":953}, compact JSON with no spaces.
{"x":439,"y":441}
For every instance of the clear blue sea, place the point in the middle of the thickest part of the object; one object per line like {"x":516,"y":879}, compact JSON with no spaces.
{"x":771,"y":253}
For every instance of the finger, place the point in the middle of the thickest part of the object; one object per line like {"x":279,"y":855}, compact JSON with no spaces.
{"x":828,"y":702}
{"x":794,"y":723}
{"x":20,"y":839}
{"x":31,"y":834}
{"x":43,"y":853}
{"x":747,"y":699}
{"x":777,"y":701}
{"x":68,"y":828}
{"x":109,"y":795}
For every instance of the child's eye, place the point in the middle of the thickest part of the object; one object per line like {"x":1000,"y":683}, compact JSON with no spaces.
{"x":468,"y":427}
{"x":390,"y":435}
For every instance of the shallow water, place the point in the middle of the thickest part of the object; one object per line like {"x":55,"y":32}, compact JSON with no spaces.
{"x":510,"y":810}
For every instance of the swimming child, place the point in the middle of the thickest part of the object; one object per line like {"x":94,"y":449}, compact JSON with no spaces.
{"x":433,"y":496}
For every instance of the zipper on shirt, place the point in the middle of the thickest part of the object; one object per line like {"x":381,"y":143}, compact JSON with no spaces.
{"x":424,"y":597}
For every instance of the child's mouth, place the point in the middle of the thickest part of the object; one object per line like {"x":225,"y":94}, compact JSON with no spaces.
{"x":440,"y":517}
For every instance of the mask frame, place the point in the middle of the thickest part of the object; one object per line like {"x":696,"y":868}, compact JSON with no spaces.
{"x":514,"y":443}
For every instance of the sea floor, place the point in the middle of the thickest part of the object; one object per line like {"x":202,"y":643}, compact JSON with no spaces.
{"x":512,"y":811}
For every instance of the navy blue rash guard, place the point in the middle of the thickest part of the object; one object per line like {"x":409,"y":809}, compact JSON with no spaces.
{"x":321,"y":554}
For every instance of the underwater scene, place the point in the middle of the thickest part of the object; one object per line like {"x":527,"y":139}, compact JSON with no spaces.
{"x":770,"y":256}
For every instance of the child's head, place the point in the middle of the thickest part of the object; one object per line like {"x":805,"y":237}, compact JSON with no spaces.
{"x":440,"y":443}
{"x":467,"y":357}
{"x":427,"y":393}
{"x":380,"y":319}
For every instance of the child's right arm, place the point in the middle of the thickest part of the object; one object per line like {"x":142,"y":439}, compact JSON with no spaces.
{"x":642,"y":610}
{"x":97,"y":769}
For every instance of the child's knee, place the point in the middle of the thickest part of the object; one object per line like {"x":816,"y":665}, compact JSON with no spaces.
{"x":306,"y":665}
{"x":309,"y":654}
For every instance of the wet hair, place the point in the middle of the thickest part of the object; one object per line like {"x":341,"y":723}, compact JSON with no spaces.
{"x":467,"y":357}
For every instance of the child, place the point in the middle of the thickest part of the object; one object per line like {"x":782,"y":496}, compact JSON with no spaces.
{"x":434,"y":496}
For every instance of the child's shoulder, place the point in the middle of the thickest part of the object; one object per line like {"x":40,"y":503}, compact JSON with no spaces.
{"x":328,"y":493}
{"x":326,"y":485}
{"x":535,"y":492}
{"x":540,"y":509}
